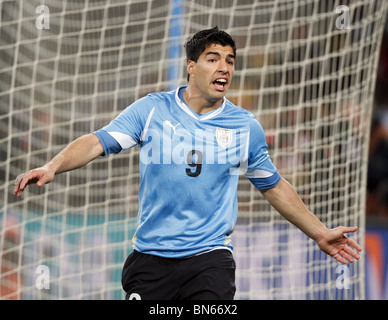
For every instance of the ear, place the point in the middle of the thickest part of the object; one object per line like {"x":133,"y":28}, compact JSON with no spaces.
{"x":190,"y":67}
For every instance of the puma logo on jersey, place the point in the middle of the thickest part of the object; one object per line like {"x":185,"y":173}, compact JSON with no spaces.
{"x":168,"y":123}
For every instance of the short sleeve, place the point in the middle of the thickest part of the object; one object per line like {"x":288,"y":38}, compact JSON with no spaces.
{"x":125,"y":130}
{"x":260,"y":170}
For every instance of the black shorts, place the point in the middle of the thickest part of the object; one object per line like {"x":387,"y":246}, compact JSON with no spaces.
{"x":210,"y":276}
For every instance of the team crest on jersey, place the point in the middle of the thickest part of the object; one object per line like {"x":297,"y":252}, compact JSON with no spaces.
{"x":224,"y":137}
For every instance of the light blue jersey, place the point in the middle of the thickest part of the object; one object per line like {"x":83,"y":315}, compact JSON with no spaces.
{"x":189,"y":170}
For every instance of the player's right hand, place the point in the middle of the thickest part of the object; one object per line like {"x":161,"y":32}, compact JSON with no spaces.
{"x":39,"y":176}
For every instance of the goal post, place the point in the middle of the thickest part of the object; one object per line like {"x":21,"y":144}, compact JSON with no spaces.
{"x":306,"y":69}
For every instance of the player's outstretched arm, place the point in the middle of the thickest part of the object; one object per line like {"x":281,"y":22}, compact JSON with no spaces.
{"x":77,"y":154}
{"x":333,"y":242}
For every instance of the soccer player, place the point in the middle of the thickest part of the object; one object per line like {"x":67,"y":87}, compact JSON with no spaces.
{"x":193,"y":142}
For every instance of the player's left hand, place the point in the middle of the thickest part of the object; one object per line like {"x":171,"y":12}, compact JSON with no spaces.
{"x":340,"y":247}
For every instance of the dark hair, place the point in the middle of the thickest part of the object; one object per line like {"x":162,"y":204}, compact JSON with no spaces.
{"x":198,"y":43}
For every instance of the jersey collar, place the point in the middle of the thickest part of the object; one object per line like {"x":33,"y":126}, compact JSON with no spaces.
{"x":191,"y":113}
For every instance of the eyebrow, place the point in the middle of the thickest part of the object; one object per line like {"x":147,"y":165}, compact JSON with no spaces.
{"x":217,"y":54}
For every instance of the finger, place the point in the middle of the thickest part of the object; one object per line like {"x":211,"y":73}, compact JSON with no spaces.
{"x":339,"y":258}
{"x":24,"y":180}
{"x":30,"y":177}
{"x":349,"y":229}
{"x":351,"y":252}
{"x":346,"y":256}
{"x":354,"y":244}
{"x":18,"y":179}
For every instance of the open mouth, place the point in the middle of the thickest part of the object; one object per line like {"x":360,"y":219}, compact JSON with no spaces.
{"x":220,"y":84}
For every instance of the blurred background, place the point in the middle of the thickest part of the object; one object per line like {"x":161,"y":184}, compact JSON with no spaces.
{"x":377,"y":196}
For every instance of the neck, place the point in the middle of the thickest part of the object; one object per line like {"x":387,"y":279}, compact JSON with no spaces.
{"x":198,"y":103}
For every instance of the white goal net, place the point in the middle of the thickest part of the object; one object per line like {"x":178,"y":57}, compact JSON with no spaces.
{"x":305,"y":68}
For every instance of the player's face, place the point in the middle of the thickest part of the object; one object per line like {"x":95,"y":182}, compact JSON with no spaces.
{"x":213,"y":71}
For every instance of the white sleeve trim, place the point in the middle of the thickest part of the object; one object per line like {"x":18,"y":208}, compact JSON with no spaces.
{"x":144,"y":133}
{"x":258,"y":173}
{"x":123,"y":139}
